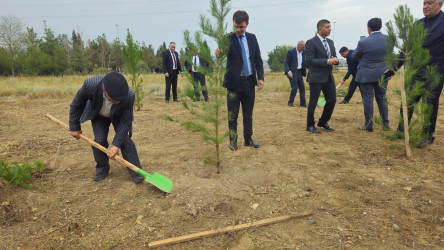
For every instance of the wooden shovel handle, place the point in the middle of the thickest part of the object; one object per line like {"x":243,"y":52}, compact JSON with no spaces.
{"x":95,"y":144}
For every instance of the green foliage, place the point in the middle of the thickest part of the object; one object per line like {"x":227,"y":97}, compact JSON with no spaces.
{"x":208,"y":116}
{"x":276,"y":58}
{"x":408,"y":36}
{"x":19,"y":174}
{"x":133,"y":53}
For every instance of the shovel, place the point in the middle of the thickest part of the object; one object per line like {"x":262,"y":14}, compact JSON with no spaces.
{"x":322,"y":101}
{"x":156,"y":179}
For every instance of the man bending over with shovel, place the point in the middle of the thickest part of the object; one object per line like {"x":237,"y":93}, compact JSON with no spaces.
{"x":105,"y":100}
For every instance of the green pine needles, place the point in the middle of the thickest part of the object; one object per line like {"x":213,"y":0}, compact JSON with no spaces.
{"x":19,"y":174}
{"x":133,"y":54}
{"x":408,"y":36}
{"x":208,"y":116}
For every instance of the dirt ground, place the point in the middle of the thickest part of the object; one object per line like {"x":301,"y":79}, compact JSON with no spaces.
{"x":356,"y":184}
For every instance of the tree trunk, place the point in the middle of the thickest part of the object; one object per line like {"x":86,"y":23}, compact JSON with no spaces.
{"x":405,"y":114}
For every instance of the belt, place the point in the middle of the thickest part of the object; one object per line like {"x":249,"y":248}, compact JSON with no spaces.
{"x":243,"y":78}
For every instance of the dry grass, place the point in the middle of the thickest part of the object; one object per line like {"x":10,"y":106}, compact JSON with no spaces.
{"x":154,"y":84}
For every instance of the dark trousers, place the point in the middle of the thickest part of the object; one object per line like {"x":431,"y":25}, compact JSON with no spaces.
{"x":374,"y":90}
{"x":351,"y":89}
{"x":431,"y":98}
{"x":101,"y":126}
{"x":245,"y":95}
{"x":200,"y":78}
{"x":297,"y":83}
{"x":171,"y":80}
{"x":329,"y":91}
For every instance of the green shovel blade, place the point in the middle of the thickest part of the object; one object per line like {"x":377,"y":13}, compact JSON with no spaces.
{"x":157,"y":180}
{"x":321,"y":101}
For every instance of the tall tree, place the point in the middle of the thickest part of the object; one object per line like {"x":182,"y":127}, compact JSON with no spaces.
{"x":11,"y":37}
{"x":79,"y":57}
{"x":149,"y":57}
{"x":276,"y":58}
{"x":116,"y":58}
{"x":133,"y":53}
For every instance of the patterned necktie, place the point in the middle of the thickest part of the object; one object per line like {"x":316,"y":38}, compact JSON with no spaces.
{"x":245,"y":70}
{"x":326,"y":48}
{"x":195,"y":64}
{"x":174,"y":59}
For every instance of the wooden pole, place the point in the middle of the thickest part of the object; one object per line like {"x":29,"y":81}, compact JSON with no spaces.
{"x":405,"y":114}
{"x":218,"y":231}
{"x":95,"y":144}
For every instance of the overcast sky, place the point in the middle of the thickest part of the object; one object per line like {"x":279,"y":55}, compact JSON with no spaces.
{"x":278,"y":22}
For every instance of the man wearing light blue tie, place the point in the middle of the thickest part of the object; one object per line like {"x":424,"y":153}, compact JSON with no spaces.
{"x":243,"y":63}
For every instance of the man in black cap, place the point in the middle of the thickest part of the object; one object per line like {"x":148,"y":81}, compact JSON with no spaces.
{"x":105,"y":100}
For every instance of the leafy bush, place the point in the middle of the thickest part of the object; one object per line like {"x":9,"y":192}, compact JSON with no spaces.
{"x":19,"y":174}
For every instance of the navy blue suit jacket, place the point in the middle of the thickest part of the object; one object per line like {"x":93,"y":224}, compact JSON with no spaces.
{"x":291,"y":62}
{"x":435,"y":42}
{"x":352,"y":65}
{"x":88,"y":102}
{"x":235,"y":62}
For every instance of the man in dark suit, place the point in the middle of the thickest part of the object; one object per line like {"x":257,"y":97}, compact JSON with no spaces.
{"x":295,"y":70}
{"x":320,"y":55}
{"x":243,"y":63}
{"x":105,"y":100}
{"x":171,"y":68}
{"x":370,"y":52}
{"x":198,"y":77}
{"x":434,"y":22}
{"x":352,"y":66}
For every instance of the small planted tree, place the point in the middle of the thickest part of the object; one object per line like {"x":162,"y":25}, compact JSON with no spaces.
{"x":408,"y":36}
{"x":207,"y":116}
{"x":133,"y":53}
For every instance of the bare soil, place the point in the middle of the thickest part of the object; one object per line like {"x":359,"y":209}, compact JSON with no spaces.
{"x":356,"y":184}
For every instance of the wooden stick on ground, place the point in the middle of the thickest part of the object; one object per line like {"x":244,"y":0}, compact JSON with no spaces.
{"x":194,"y":236}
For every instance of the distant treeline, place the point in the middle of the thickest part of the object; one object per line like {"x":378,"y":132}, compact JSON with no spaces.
{"x":22,"y":52}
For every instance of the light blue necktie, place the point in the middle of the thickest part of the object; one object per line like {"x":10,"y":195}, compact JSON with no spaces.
{"x":245,"y":70}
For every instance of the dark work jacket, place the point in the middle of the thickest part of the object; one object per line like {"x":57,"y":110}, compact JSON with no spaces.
{"x":235,"y":61}
{"x":167,"y":62}
{"x":352,"y":65}
{"x":88,"y":102}
{"x":317,"y":60}
{"x":291,"y":62}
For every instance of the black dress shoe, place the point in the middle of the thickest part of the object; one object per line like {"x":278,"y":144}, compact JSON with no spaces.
{"x":343,"y":102}
{"x":326,"y":127}
{"x":291,"y":105}
{"x":138,"y":179}
{"x":167,"y":101}
{"x":304,"y":105}
{"x":175,"y":100}
{"x":251,"y":143}
{"x":233,"y":145}
{"x":207,"y":100}
{"x":100,"y":176}
{"x":366,"y":129}
{"x":425,"y":142}
{"x":313,"y":130}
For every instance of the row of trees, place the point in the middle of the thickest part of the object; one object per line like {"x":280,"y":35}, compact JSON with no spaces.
{"x":23,"y":52}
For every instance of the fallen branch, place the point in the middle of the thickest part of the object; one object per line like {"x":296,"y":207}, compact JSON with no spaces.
{"x":218,"y":231}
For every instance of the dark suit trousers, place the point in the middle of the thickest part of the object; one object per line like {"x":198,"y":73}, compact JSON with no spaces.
{"x":329,"y":91}
{"x":351,"y":89}
{"x":431,"y":99}
{"x":100,"y":126}
{"x":297,"y":83}
{"x":171,"y":80}
{"x":373,"y":90}
{"x":245,"y":95}
{"x":200,"y":78}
